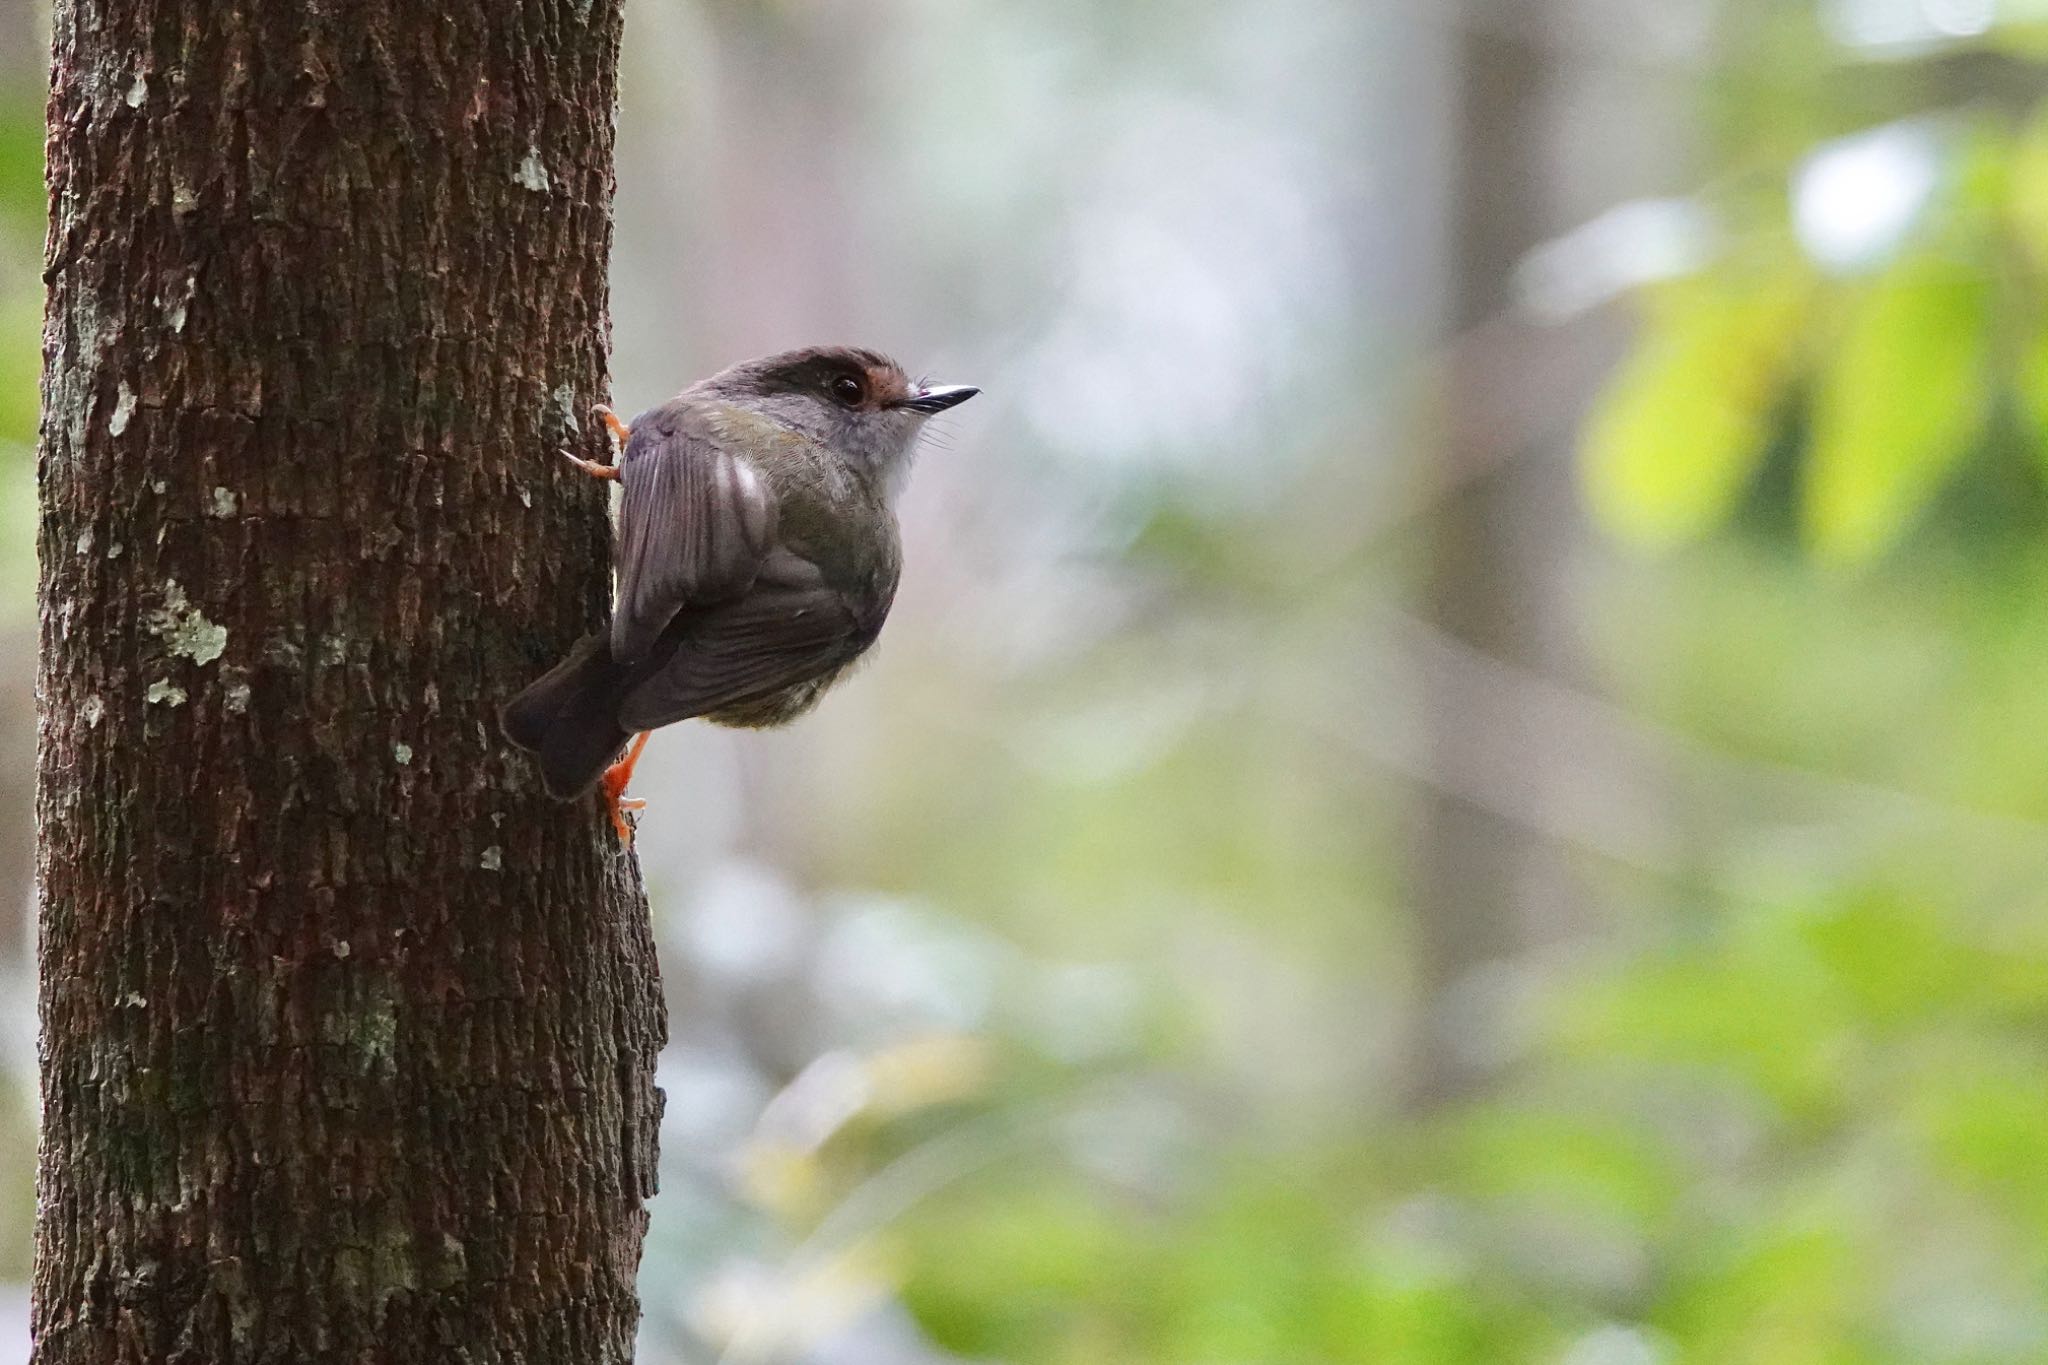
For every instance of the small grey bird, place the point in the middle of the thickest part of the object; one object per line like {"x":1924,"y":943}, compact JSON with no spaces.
{"x":758,"y":555}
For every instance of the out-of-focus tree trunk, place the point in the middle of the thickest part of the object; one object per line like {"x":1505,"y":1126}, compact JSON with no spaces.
{"x":1495,"y":578}
{"x":348,"y":1033}
{"x":1550,"y":133}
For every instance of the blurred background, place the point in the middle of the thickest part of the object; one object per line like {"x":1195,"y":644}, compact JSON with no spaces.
{"x":1460,"y":773}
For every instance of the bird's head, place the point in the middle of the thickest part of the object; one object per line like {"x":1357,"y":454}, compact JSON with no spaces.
{"x":859,"y":404}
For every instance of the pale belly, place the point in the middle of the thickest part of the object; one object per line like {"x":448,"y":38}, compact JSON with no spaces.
{"x":777,"y":708}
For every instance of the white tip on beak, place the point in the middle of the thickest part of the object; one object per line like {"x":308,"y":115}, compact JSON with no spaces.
{"x":939,"y":397}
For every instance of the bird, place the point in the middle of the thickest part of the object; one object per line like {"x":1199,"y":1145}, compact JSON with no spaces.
{"x":757,"y":556}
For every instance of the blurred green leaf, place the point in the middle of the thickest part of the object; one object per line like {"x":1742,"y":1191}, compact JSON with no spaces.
{"x":21,"y":364}
{"x":1893,"y":959}
{"x":2022,"y":30}
{"x":1790,"y":1291}
{"x":1898,"y":404}
{"x":22,"y":203}
{"x":1754,"y":1007}
{"x":1581,"y":1160}
{"x":1680,"y":431}
{"x":2030,"y":384}
{"x":1984,"y":1114}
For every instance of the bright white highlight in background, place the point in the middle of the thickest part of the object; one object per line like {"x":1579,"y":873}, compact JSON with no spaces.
{"x":1632,"y":244}
{"x":1908,"y":23}
{"x":1854,"y":200}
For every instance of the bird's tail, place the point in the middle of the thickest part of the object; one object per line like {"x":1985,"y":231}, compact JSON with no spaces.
{"x":569,"y":718}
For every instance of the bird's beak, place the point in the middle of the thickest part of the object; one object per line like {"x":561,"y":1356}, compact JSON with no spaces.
{"x":939,"y":397}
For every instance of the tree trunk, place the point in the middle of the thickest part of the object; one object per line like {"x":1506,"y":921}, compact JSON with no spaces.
{"x":1545,"y":141}
{"x":348,"y":1032}
{"x":1494,"y":580}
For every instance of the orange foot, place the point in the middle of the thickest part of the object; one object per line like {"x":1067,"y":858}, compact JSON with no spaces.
{"x":618,"y":431}
{"x":613,"y":785}
{"x":591,"y":467}
{"x":612,"y":423}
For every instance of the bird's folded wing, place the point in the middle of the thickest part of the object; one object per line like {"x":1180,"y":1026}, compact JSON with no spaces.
{"x":789,"y":629}
{"x":694,"y":524}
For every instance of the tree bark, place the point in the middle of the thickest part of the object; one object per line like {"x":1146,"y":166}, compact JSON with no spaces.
{"x":348,"y":1032}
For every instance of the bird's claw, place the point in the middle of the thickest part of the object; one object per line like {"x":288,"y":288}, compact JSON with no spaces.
{"x":613,"y":785}
{"x":590,"y":467}
{"x":612,"y":423}
{"x":617,"y":431}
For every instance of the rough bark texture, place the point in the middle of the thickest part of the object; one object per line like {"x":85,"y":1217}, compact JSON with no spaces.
{"x":348,"y":1032}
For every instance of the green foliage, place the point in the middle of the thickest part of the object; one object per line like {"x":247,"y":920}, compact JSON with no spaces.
{"x":1265,"y":1267}
{"x":2027,"y":209}
{"x":1888,"y":380}
{"x":21,"y":364}
{"x":1783,"y":1101}
{"x":21,"y":307}
{"x":1903,"y":375}
{"x":21,"y":162}
{"x":1896,"y":406}
{"x":1685,"y":422}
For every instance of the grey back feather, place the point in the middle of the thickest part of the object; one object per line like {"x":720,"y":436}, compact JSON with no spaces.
{"x":694,"y":523}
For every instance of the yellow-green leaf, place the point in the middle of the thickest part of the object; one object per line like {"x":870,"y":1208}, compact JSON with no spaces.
{"x":1676,"y":437}
{"x":2027,"y":195}
{"x":2031,"y":385}
{"x":1898,"y":404}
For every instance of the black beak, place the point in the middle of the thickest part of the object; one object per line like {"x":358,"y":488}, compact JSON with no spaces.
{"x":939,"y":398}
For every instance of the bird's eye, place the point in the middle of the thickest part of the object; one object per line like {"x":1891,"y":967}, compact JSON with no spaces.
{"x":847,"y":390}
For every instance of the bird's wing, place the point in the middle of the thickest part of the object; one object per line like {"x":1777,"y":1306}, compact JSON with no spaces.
{"x":694,"y":524}
{"x":790,"y":628}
